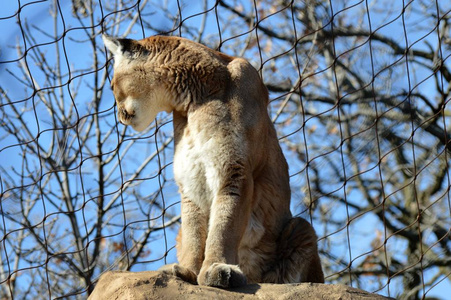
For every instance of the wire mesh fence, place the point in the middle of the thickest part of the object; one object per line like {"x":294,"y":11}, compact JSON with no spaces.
{"x":359,"y":94}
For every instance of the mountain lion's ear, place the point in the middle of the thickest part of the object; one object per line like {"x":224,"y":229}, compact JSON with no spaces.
{"x":112,"y":44}
{"x":122,"y":48}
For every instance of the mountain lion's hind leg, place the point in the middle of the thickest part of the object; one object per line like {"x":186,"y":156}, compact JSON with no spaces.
{"x":298,"y":259}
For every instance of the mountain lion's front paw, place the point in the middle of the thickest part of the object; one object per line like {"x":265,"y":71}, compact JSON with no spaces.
{"x":181,"y":272}
{"x":221,"y":275}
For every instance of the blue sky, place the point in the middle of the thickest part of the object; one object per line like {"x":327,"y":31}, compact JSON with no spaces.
{"x":37,"y":14}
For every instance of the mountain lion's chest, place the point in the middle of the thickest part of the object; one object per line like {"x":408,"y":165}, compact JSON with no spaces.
{"x":197,"y":168}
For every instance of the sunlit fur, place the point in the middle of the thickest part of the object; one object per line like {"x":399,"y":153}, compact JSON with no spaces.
{"x":233,"y":178}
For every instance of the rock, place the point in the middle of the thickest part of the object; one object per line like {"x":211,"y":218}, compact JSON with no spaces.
{"x":117,"y":285}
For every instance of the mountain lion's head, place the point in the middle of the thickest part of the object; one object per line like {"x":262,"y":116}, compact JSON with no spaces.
{"x":139,"y":91}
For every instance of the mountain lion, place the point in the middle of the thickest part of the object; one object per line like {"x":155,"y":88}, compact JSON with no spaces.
{"x":237,"y":227}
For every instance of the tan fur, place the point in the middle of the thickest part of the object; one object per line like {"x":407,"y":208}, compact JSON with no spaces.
{"x":232,"y":175}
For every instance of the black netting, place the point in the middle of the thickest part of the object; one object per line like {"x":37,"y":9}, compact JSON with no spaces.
{"x":359,"y":93}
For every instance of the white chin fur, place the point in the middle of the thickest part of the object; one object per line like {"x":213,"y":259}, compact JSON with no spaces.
{"x":144,"y":114}
{"x":140,"y":126}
